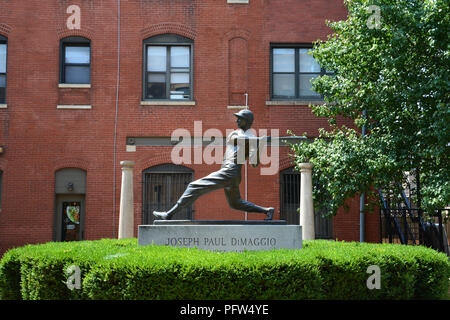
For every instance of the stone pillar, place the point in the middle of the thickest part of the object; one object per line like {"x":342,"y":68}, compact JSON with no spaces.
{"x":306,"y":202}
{"x":126,"y":216}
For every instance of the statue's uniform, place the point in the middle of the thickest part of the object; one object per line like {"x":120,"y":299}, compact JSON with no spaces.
{"x":228,"y":177}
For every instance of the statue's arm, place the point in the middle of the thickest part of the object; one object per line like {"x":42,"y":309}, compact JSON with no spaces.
{"x":262,"y":141}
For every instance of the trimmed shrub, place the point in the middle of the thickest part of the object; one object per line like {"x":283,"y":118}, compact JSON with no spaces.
{"x":39,"y":271}
{"x":120,"y":269}
{"x":176,"y":273}
{"x":10,"y":275}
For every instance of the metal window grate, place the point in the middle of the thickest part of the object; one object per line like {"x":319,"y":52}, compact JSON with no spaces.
{"x":290,"y":196}
{"x":290,"y":202}
{"x":163,"y":185}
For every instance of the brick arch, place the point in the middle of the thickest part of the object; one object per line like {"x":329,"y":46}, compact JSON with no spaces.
{"x":3,"y":163}
{"x":146,"y":163}
{"x":70,"y":163}
{"x":235,"y":59}
{"x":231,"y":35}
{"x":168,"y":27}
{"x":63,"y":32}
{"x":286,"y":162}
{"x":5,"y":29}
{"x":237,"y":33}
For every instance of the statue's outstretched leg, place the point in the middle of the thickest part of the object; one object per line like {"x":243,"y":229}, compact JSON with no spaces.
{"x":236,"y":202}
{"x":160,"y":215}
{"x":214,"y":181}
{"x":228,"y":178}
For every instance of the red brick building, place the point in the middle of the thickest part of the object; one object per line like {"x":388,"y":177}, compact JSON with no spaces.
{"x":86,"y":84}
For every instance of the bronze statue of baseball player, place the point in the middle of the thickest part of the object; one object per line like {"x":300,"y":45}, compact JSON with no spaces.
{"x":229,"y":176}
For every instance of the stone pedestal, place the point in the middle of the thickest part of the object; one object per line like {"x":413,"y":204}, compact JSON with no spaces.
{"x":222,"y":235}
{"x":306,"y":202}
{"x":219,"y":222}
{"x":126,"y":216}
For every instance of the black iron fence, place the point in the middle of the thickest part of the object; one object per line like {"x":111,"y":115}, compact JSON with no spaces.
{"x":413,"y":226}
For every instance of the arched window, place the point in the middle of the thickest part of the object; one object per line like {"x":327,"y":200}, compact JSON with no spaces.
{"x":3,"y":60}
{"x":168,"y":68}
{"x":75,"y":60}
{"x":162,"y":186}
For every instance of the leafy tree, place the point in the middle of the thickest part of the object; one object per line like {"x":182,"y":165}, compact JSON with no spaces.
{"x":390,"y":60}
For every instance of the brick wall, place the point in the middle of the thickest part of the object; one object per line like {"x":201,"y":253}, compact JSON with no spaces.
{"x":41,"y":139}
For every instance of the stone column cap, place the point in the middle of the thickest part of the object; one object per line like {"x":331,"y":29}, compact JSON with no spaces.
{"x":306,"y":165}
{"x":127,"y":164}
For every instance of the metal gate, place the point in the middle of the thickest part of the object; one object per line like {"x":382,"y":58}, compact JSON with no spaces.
{"x":290,"y":202}
{"x":162,"y":187}
{"x":403,"y":221}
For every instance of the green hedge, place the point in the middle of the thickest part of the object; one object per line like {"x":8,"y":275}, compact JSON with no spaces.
{"x":120,"y":269}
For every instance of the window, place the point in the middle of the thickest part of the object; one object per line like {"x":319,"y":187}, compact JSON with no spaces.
{"x":293,"y":68}
{"x":75,"y":60}
{"x":168,"y":68}
{"x":3,"y":54}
